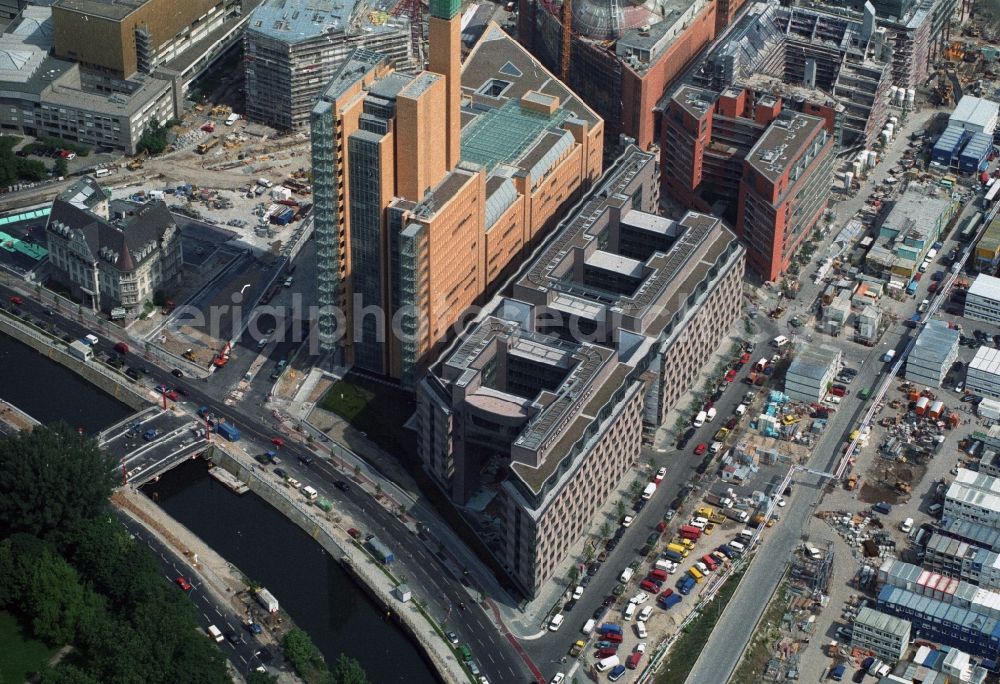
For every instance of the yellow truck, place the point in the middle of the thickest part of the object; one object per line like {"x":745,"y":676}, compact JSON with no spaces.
{"x":677,"y":548}
{"x":704,"y":512}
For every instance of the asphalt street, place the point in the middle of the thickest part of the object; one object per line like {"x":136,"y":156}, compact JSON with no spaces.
{"x":244,"y":649}
{"x":450,"y":600}
{"x":550,"y":649}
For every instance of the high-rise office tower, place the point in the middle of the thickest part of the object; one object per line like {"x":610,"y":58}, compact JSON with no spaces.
{"x":430,"y":189}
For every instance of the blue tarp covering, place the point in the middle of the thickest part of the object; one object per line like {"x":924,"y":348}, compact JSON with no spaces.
{"x":947,"y":146}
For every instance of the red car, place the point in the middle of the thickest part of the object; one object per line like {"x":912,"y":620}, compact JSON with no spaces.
{"x":17,"y":301}
{"x":731,"y":375}
{"x":745,"y":358}
{"x":606,"y":652}
{"x":700,"y":449}
{"x":612,"y":637}
{"x":172,"y":395}
{"x":183,"y":583}
{"x":633,"y":660}
{"x":666,"y":593}
{"x":932,"y":288}
{"x":278,"y":441}
{"x":649,"y":585}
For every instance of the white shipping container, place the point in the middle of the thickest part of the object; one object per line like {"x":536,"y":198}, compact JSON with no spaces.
{"x":989,"y":409}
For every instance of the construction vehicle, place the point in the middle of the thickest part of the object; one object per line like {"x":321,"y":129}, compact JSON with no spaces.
{"x":851,"y":483}
{"x":135,"y":163}
{"x":903,"y":487}
{"x":207,"y":145}
{"x":222,"y":358}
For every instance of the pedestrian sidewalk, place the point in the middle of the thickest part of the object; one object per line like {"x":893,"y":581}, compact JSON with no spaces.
{"x":330,"y":531}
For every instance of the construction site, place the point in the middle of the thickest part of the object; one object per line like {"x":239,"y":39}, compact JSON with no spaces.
{"x":842,"y":58}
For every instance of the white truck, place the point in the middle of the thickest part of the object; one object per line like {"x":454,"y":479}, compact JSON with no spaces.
{"x":699,"y":420}
{"x":648,"y":492}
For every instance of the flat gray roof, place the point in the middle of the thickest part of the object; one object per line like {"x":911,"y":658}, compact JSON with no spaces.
{"x":783,"y":143}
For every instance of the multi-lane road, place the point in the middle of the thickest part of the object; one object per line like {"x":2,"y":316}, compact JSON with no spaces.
{"x":438,"y":582}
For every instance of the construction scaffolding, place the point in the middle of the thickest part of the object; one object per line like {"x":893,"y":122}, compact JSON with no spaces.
{"x":811,"y":575}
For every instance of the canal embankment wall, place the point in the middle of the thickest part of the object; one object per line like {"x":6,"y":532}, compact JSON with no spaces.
{"x":326,"y":529}
{"x":112,"y":382}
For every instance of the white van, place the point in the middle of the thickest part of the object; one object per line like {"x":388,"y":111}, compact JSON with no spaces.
{"x":780,"y":341}
{"x":102,"y":172}
{"x":699,"y":520}
{"x":215,"y":633}
{"x":746,"y":534}
{"x":737,"y":546}
{"x":699,"y":420}
{"x":588,"y":626}
{"x":648,"y":492}
{"x":715,"y":448}
{"x":889,"y":355}
{"x":310,"y":493}
{"x":741,"y":410}
{"x":906,"y":525}
{"x":710,"y":415}
{"x":91,"y":339}
{"x":608,"y":663}
{"x":556,"y":622}
{"x":629,"y":610}
{"x":626,"y":575}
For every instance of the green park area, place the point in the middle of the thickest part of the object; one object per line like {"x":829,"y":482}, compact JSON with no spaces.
{"x":20,"y":655}
{"x":376,"y":409}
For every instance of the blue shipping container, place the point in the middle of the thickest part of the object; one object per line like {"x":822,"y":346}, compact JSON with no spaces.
{"x":228,"y":431}
{"x":610,"y":628}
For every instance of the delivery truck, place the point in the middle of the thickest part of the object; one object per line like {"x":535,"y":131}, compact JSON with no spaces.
{"x":229,"y":431}
{"x":648,"y":492}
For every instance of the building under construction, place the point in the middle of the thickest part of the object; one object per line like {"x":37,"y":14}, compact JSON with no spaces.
{"x":837,"y":55}
{"x":919,"y":31}
{"x":292,"y":47}
{"x":620,"y":56}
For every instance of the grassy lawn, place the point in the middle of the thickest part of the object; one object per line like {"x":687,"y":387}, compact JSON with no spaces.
{"x":688,"y":647}
{"x":20,"y":656}
{"x":375,"y":409}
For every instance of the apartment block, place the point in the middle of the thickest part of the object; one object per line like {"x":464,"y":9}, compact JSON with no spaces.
{"x":974,"y":497}
{"x":531,"y":419}
{"x":430,"y":189}
{"x":292,"y":47}
{"x":123,"y":37}
{"x":955,"y":558}
{"x":883,"y":635}
{"x":982,"y":375}
{"x":935,"y":350}
{"x":982,"y":302}
{"x":805,"y":48}
{"x":785,"y":187}
{"x":111,"y":260}
{"x":721,"y":154}
{"x":623,"y":58}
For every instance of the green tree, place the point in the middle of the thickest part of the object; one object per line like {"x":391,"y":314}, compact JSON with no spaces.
{"x":43,"y":587}
{"x":605,"y":530}
{"x":620,"y":507}
{"x":154,"y":138}
{"x":51,"y":479}
{"x":347,"y":670}
{"x":260,"y":678}
{"x":60,"y":167}
{"x":66,"y":673}
{"x":589,"y":553}
{"x":303,"y":654}
{"x":573,"y":574}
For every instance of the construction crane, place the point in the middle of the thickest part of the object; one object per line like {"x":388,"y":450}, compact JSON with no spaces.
{"x":567,"y":39}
